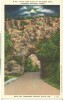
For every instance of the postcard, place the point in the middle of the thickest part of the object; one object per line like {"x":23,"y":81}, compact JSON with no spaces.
{"x":31,"y":50}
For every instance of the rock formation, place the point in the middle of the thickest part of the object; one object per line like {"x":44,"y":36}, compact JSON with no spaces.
{"x":25,"y":37}
{"x":35,"y":60}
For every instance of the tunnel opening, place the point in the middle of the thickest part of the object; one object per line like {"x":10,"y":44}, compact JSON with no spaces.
{"x":32,"y":62}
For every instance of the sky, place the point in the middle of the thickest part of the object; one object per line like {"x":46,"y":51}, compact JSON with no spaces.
{"x":32,"y":10}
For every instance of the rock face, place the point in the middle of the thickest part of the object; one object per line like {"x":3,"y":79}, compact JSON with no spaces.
{"x":12,"y":68}
{"x":35,"y":60}
{"x":27,"y":36}
{"x":33,"y":31}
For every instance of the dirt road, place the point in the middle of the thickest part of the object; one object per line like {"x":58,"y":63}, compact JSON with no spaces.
{"x":30,"y":84}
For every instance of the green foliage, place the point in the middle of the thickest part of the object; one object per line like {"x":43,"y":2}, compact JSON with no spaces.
{"x":7,"y":77}
{"x":54,"y":74}
{"x":8,"y":47}
{"x":49,"y":48}
{"x":29,"y":67}
{"x":39,"y":23}
{"x":23,"y":23}
{"x":10,"y":76}
{"x":18,"y":59}
{"x":8,"y":43}
{"x":7,"y":16}
{"x":49,"y":52}
{"x":15,"y":23}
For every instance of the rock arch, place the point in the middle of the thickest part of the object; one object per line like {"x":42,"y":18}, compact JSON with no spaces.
{"x":33,"y":56}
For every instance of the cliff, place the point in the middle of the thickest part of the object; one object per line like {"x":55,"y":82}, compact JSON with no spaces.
{"x":25,"y":34}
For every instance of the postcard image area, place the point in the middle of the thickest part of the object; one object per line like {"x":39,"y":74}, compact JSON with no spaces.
{"x":32,"y":50}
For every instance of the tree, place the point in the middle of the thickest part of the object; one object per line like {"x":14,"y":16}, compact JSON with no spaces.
{"x":50,"y":48}
{"x":8,"y":44}
{"x":48,"y":51}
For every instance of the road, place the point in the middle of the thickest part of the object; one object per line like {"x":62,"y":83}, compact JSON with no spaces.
{"x":30,"y":84}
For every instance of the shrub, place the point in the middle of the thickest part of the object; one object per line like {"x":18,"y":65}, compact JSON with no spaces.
{"x":8,"y":43}
{"x":18,"y":59}
{"x":8,"y":47}
{"x":23,"y":23}
{"x":29,"y":67}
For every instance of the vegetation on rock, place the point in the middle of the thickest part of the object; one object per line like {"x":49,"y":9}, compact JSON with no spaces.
{"x":48,"y":51}
{"x":8,"y":46}
{"x":29,"y":67}
{"x":8,"y":42}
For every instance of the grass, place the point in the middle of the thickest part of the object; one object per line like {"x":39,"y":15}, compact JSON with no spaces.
{"x":7,"y":77}
{"x":52,"y":83}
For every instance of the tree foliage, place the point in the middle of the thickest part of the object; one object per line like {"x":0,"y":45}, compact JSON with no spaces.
{"x":8,"y":43}
{"x":23,"y":23}
{"x":48,"y":51}
{"x":29,"y":67}
{"x":49,"y":48}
